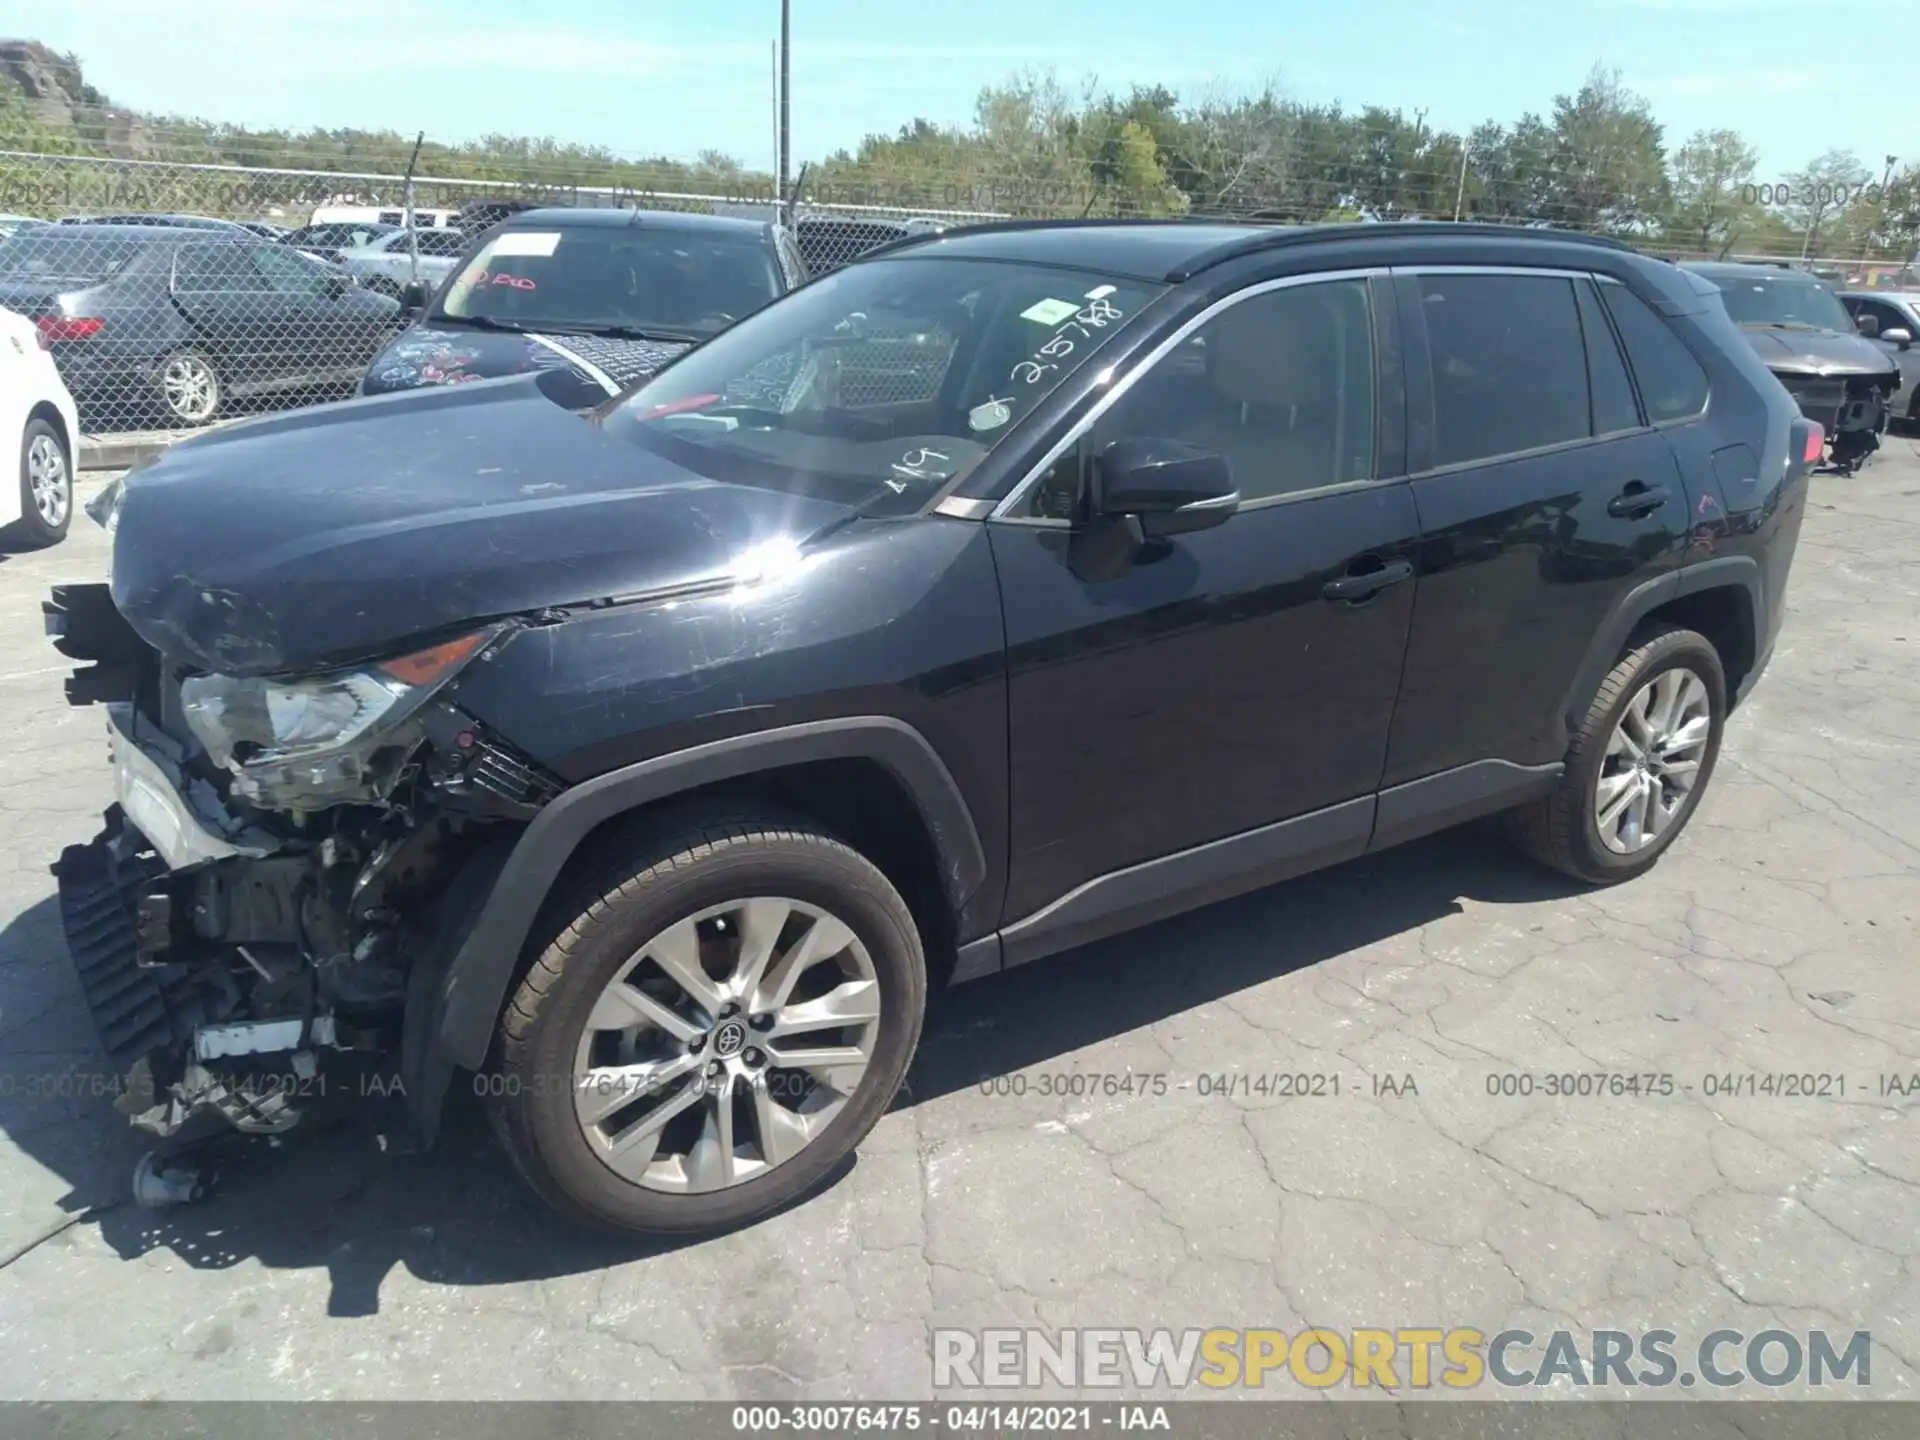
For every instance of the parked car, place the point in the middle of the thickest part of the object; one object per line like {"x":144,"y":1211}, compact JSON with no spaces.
{"x":654,"y":768}
{"x":171,"y":222}
{"x":145,"y":319}
{"x":1805,"y":336}
{"x":593,"y":300}
{"x":1891,"y":318}
{"x":332,"y":241}
{"x":386,"y":265}
{"x":36,"y":413}
{"x":263,"y":229}
{"x":480,"y":215}
{"x":394,"y":215}
{"x":14,"y":224}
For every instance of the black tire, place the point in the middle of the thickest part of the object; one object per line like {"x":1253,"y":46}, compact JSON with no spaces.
{"x":1560,"y":830}
{"x":199,"y":414}
{"x":651,"y":881}
{"x":33,"y":529}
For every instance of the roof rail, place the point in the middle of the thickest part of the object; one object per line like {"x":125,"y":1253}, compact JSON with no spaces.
{"x":1279,"y":238}
{"x":1265,"y":234}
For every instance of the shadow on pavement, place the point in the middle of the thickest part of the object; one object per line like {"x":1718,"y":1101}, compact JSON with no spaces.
{"x":333,"y":1195}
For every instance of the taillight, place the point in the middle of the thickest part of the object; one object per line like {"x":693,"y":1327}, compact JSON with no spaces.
{"x":69,"y":327}
{"x":1816,"y":444}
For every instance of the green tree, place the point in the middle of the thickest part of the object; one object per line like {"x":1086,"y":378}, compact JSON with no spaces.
{"x":1819,"y":193}
{"x":1609,"y":164}
{"x":1713,"y":197}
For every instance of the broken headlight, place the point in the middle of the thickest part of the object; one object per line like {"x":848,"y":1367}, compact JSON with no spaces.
{"x":324,"y":739}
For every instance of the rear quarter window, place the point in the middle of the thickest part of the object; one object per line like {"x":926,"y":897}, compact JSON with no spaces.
{"x":1673,"y":385}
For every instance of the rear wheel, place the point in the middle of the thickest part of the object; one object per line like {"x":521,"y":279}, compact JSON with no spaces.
{"x":190,"y":387}
{"x":718,"y":1020}
{"x":46,"y":485}
{"x":1638,"y":765}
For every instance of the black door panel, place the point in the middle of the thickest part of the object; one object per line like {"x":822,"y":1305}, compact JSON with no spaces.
{"x":1519,"y":551}
{"x":1201,"y":694}
{"x":1517,"y":558}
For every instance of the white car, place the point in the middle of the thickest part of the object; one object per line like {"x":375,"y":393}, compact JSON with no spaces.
{"x":38,"y":412}
{"x":385,"y":263}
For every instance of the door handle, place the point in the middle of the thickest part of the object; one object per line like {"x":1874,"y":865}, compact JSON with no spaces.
{"x":1362,"y":583}
{"x":1636,"y":500}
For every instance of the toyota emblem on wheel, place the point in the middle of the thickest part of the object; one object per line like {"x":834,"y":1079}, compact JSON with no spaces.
{"x":729,"y":1039}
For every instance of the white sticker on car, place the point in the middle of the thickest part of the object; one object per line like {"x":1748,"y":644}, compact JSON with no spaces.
{"x":1049,"y":312}
{"x":990,"y":416}
{"x":527,"y":242}
{"x":1100,"y":292}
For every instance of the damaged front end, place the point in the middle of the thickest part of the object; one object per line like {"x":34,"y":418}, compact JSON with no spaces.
{"x":272,"y":871}
{"x":1851,"y":409}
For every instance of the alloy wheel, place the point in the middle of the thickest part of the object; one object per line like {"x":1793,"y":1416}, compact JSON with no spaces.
{"x":726,"y":1045}
{"x":190,"y":387}
{"x":1652,"y":760}
{"x":48,"y":480}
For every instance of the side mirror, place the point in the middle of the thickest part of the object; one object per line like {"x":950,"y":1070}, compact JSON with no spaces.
{"x":413,"y":297}
{"x":1900,"y":336}
{"x":1167,"y":486}
{"x":338,"y":285}
{"x":1867,"y":325}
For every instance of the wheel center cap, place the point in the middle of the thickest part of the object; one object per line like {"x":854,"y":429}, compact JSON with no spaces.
{"x":729,"y":1039}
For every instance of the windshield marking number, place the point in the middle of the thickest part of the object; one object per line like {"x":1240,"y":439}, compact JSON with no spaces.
{"x":1097,"y":314}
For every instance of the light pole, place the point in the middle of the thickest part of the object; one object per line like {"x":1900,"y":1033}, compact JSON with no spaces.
{"x":785,"y":142}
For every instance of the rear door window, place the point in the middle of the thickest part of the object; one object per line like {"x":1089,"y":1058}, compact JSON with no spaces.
{"x":217,"y":269}
{"x":1509,"y":364}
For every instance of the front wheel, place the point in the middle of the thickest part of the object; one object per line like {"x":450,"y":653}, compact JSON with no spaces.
{"x":717,"y":1021}
{"x":1638,"y":765}
{"x":46,"y":485}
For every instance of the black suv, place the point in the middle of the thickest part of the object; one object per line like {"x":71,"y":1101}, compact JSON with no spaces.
{"x":1004,"y":590}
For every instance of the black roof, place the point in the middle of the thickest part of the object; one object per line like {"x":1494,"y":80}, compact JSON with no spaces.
{"x":1734,"y":270}
{"x":678,"y":221}
{"x":1172,"y":250}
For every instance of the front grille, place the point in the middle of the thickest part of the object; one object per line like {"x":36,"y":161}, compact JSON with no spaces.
{"x":1819,"y":398}
{"x":135,"y":1010}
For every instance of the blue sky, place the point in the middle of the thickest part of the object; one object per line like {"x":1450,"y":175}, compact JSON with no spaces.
{"x":675,"y":76}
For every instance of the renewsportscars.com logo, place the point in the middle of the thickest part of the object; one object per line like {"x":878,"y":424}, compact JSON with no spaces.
{"x":1409,"y":1358}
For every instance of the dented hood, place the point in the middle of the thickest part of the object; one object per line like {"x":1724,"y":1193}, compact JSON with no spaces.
{"x":1795,"y":351}
{"x":344,"y":531}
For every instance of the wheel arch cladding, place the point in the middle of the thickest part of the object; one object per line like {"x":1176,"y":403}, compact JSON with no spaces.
{"x":1723,"y":598}
{"x":467,"y":1006}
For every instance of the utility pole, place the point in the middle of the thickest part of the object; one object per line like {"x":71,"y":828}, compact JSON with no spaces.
{"x":1460,"y":191}
{"x":786,"y":106}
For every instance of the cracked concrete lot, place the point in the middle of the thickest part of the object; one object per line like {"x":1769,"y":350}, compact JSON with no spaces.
{"x":1779,"y":938}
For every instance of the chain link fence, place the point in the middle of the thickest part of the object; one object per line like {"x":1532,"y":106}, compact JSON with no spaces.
{"x":173,"y":292}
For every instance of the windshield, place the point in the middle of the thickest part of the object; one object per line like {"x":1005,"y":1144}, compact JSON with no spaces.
{"x":49,"y":254}
{"x":671,"y":284}
{"x":882,"y":382}
{"x":1788,"y":300}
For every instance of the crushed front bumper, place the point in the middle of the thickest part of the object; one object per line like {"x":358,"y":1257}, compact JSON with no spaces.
{"x":158,"y":824}
{"x":181,"y":818}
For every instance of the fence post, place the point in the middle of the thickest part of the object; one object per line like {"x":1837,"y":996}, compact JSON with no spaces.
{"x":406,"y":200}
